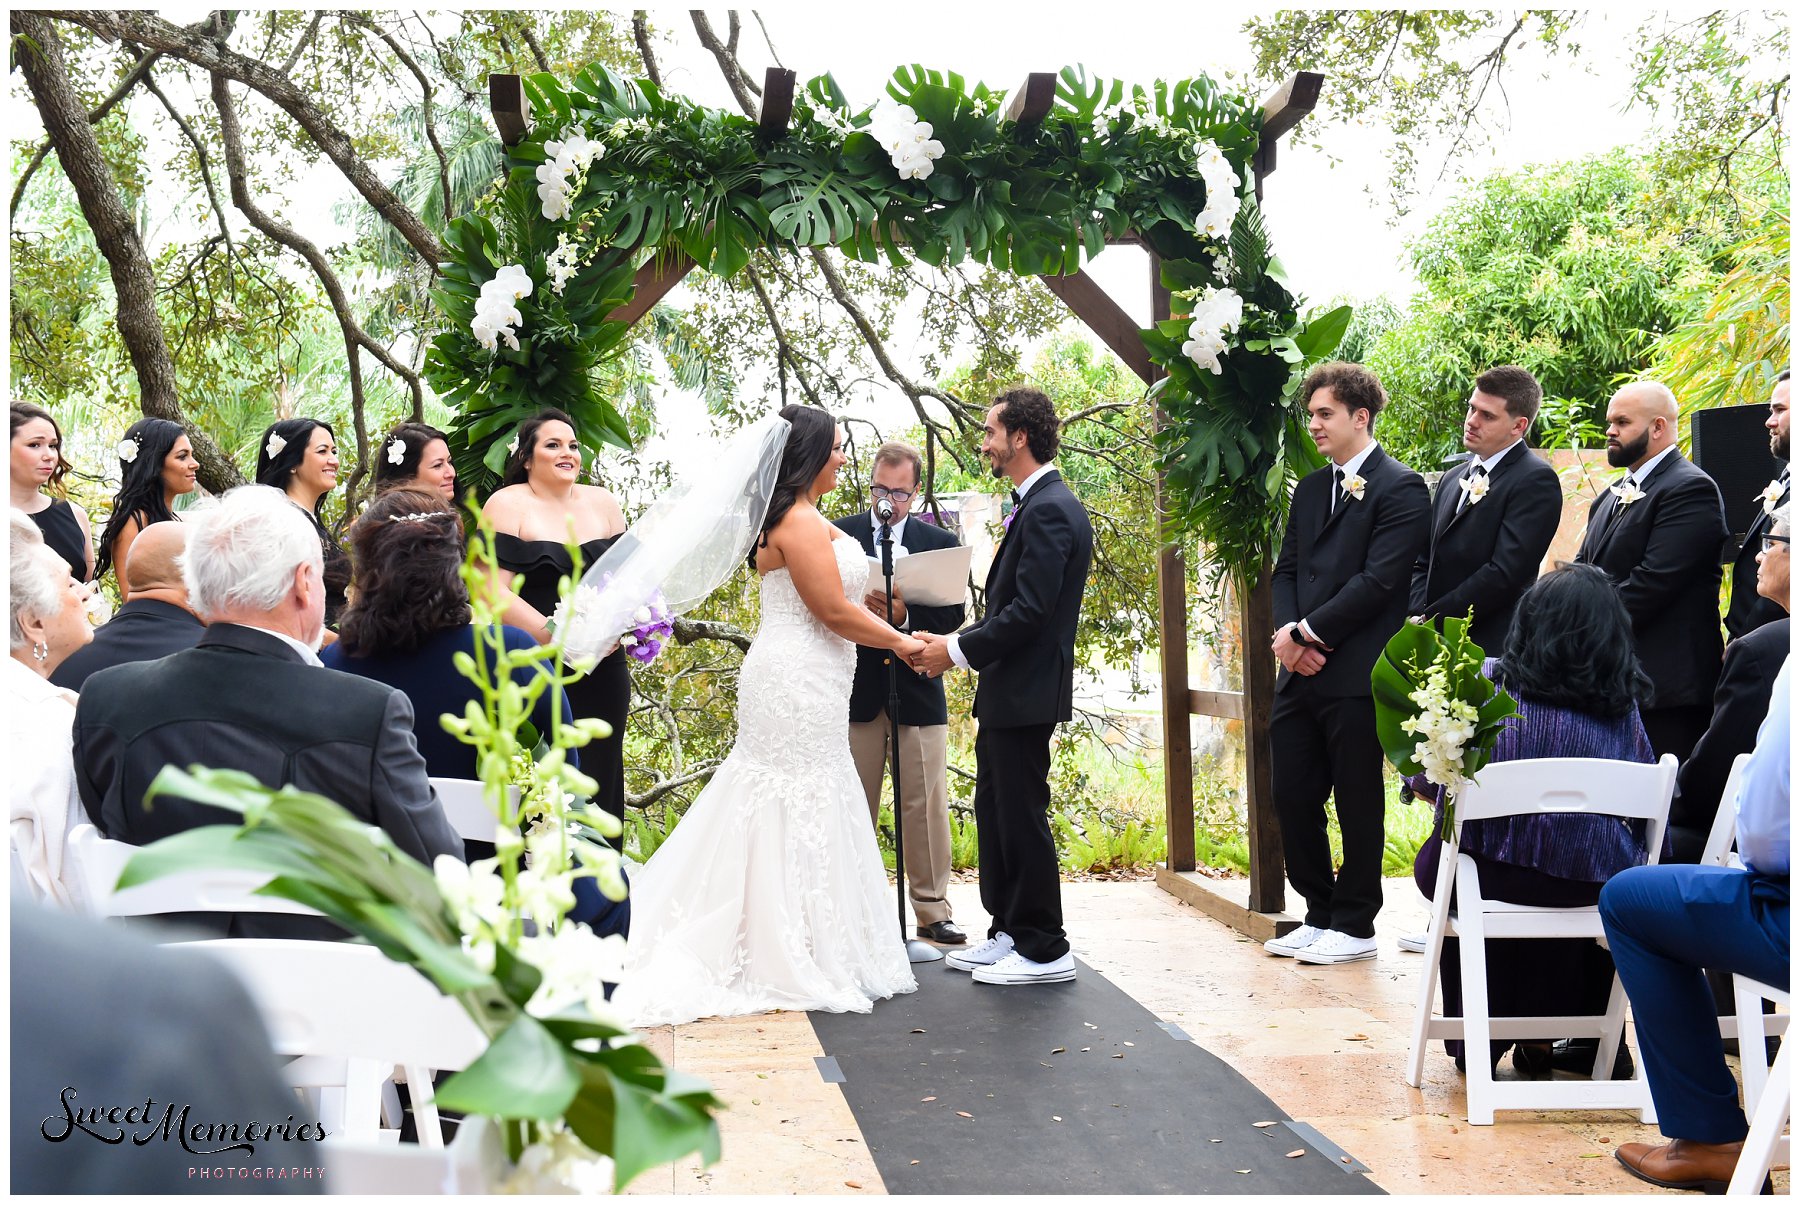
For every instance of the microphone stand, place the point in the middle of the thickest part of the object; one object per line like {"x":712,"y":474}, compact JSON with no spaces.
{"x":916,"y":950}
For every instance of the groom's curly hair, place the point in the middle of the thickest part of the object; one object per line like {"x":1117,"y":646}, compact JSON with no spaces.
{"x":1029,"y":410}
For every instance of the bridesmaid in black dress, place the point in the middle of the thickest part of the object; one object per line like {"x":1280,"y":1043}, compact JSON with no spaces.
{"x":539,"y":508}
{"x":37,"y":465}
{"x":299,"y":457}
{"x":156,"y":466}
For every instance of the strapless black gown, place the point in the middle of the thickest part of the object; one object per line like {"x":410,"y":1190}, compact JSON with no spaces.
{"x":62,"y":532}
{"x":605,"y":692}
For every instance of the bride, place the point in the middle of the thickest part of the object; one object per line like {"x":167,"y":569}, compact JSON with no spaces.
{"x":770,"y":893}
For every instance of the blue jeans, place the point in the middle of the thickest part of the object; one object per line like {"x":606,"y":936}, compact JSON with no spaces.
{"x":1664,"y":924}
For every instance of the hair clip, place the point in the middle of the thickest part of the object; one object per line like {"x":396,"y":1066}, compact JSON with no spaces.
{"x":420,"y":516}
{"x":396,"y":451}
{"x":275,"y":445}
{"x":127,"y":449}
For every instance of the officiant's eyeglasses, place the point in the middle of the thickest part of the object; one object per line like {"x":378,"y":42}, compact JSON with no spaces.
{"x":1769,"y":542}
{"x":882,"y":491}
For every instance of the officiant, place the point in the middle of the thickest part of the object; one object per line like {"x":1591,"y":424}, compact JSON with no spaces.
{"x":924,"y":811}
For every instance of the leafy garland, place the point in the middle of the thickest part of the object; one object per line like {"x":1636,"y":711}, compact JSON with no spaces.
{"x":617,"y":172}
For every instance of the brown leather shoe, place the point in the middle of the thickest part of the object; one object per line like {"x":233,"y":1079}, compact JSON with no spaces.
{"x":1697,"y":1166}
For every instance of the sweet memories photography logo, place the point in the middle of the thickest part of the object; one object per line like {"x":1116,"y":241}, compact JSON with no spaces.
{"x":170,"y":1122}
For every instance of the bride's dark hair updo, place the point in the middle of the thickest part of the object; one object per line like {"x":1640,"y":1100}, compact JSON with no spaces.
{"x":812,"y":434}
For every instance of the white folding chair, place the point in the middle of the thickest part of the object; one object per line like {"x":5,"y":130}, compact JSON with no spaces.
{"x":1722,"y":836}
{"x":467,"y":811}
{"x":325,"y":1002}
{"x":1546,"y":786}
{"x":98,"y":862}
{"x":473,"y":1164}
{"x":1768,"y":1092}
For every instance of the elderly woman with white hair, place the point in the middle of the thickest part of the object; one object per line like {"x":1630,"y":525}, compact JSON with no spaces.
{"x":49,"y":621}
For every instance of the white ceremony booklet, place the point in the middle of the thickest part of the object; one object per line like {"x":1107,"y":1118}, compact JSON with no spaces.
{"x":938,"y":578}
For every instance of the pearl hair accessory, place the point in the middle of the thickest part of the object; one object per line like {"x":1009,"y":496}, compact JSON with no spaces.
{"x":421,"y":516}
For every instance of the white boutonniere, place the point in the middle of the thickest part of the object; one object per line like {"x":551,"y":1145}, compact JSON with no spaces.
{"x":127,"y":450}
{"x":1771,"y":495}
{"x":1474,"y":488}
{"x":1627,"y":492}
{"x":396,"y":451}
{"x":1354,"y":485}
{"x":274,"y":446}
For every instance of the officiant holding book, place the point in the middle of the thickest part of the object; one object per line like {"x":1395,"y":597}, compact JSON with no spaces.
{"x":924,"y":811}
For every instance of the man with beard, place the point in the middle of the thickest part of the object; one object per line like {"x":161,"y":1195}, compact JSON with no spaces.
{"x":1657,"y":533}
{"x":1749,"y":609}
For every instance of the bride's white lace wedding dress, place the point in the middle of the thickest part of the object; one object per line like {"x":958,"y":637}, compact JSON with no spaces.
{"x":770,"y":893}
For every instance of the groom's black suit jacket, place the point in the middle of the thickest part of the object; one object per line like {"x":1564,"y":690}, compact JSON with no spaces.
{"x":1750,"y":610}
{"x":1662,"y":552}
{"x":1024,"y":648}
{"x":1489,"y":554}
{"x":243,"y":700}
{"x":921,"y":698}
{"x":1347,"y":571}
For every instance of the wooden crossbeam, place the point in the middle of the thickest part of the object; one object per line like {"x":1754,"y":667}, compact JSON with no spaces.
{"x":1221,"y":704}
{"x":1107,"y":319}
{"x":1030,"y":102}
{"x":1286,"y":105}
{"x":777,"y":102}
{"x":512,"y":113}
{"x":653,"y":282}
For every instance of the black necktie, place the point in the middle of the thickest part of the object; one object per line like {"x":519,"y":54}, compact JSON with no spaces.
{"x":1017,"y":497}
{"x":1337,"y":488}
{"x":1479,"y":472}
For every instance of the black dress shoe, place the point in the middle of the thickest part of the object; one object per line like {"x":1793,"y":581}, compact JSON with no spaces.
{"x":944,"y":932}
{"x":1533,"y":1060}
{"x":1577,"y":1055}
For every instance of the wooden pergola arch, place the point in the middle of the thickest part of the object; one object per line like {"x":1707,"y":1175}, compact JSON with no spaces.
{"x":1260,"y":913}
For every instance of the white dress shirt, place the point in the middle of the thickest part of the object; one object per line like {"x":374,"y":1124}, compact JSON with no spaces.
{"x":307,"y":653}
{"x":1024,"y":488}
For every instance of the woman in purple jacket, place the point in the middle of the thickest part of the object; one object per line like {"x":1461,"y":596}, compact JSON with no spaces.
{"x":1570,"y":665}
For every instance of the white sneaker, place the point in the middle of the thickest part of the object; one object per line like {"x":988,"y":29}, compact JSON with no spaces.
{"x":1335,"y":947}
{"x":1016,"y":968}
{"x":986,"y":954}
{"x":1413,"y":941}
{"x":1294,"y":942}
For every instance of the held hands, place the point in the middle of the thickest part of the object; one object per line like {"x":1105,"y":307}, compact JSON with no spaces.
{"x":1294,"y":656}
{"x":934,"y":657}
{"x":909,"y":648}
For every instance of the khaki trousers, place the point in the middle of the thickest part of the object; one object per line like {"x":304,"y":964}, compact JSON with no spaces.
{"x":924,"y":805}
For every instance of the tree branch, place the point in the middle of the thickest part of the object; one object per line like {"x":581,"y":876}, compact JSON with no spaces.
{"x":147,"y":29}
{"x":39,"y":52}
{"x":425,"y":90}
{"x":137,"y":72}
{"x":727,"y":59}
{"x":306,"y":39}
{"x":687,"y":631}
{"x":212,"y":192}
{"x":668,"y":786}
{"x":784,"y":353}
{"x":640,"y":33}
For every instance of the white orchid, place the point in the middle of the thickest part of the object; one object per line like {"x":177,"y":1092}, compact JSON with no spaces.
{"x":835,"y":120}
{"x":275,"y":445}
{"x":1222,"y":185}
{"x":1216,"y":313}
{"x":396,"y":450}
{"x":1446,"y":726}
{"x":1474,"y":487}
{"x":576,"y":964}
{"x":559,"y":1164}
{"x":559,"y":176}
{"x":496,"y":317}
{"x":512,"y":446}
{"x":562,"y":263}
{"x":98,"y":607}
{"x":474,"y":892}
{"x":1771,"y":495}
{"x":1354,"y":486}
{"x":907,"y":140}
{"x":127,"y":449}
{"x":1626,"y":492}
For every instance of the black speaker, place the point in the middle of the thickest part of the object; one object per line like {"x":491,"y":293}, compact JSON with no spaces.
{"x":1732,"y":446}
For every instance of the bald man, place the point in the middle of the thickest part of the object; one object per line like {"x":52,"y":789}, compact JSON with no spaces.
{"x":1659,"y":533}
{"x":154,"y":623}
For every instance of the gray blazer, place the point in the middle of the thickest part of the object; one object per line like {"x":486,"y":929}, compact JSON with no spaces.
{"x":242,"y":699}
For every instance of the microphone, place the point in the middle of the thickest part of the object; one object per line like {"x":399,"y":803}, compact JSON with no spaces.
{"x":884,"y":510}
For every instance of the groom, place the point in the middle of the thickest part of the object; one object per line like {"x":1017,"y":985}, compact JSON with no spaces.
{"x":1024,"y":651}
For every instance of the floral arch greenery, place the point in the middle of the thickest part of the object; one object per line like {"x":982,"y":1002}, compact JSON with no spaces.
{"x":617,"y":173}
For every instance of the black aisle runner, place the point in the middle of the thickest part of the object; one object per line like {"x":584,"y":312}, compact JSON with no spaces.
{"x":1042,"y":1120}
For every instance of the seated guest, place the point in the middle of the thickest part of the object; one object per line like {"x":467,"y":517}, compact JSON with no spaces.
{"x":154,"y":622}
{"x":251,"y":696}
{"x":1664,"y":924}
{"x":49,"y":621}
{"x":407,"y":623}
{"x":416,"y":457}
{"x":1569,"y":664}
{"x":1739,"y":703}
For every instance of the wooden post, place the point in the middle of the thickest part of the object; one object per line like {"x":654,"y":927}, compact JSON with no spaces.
{"x":512,"y":114}
{"x":1171,"y":607}
{"x":1268,"y":873}
{"x":1029,"y":103}
{"x":777,"y":103}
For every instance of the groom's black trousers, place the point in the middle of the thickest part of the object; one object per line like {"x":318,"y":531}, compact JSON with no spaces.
{"x":1326,"y":746}
{"x":1020,"y":886}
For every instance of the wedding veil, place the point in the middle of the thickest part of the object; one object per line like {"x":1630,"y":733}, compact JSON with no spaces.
{"x":685,"y":546}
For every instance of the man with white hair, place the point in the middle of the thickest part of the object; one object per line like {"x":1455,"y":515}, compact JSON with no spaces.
{"x":1658,"y":533}
{"x":252,"y":696}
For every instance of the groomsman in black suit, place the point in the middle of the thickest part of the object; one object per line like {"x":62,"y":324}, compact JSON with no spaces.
{"x":1749,"y":609}
{"x":1657,"y":533}
{"x":1024,"y":650}
{"x":1494,"y":515}
{"x":1355,"y":528}
{"x":924,"y":809}
{"x":154,"y":622}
